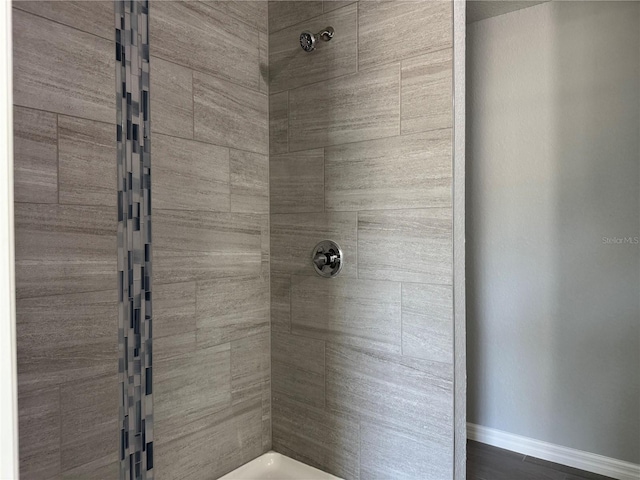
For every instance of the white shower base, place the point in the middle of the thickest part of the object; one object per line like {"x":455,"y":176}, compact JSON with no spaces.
{"x":274,"y":466}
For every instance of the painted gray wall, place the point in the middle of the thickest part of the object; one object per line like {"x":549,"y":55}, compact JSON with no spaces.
{"x":553,"y":167}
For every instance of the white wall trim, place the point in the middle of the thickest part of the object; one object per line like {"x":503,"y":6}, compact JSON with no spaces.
{"x":590,"y":462}
{"x":8,"y":379}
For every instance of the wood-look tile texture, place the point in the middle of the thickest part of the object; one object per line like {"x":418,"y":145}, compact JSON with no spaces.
{"x":230,"y":115}
{"x":291,"y":67}
{"x":253,"y":13}
{"x":174,"y":319}
{"x":86,"y":171}
{"x":171,"y":87}
{"x":297,"y":182}
{"x":375,"y":174}
{"x":361,"y":153}
{"x":207,"y":40}
{"x":354,"y":312}
{"x":35,"y":156}
{"x":44,"y":53}
{"x":420,"y":240}
{"x":427,"y":92}
{"x":190,"y":175}
{"x":400,"y":26}
{"x":249,"y":178}
{"x":250,"y":365}
{"x":357,"y":107}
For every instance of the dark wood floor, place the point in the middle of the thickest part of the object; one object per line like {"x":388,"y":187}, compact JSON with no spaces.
{"x":489,"y":463}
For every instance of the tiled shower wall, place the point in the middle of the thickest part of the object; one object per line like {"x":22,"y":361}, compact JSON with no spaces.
{"x":361,"y":153}
{"x":209,"y":129}
{"x":65,"y":227}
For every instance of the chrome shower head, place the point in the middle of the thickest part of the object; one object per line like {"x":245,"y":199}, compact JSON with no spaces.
{"x":309,"y":40}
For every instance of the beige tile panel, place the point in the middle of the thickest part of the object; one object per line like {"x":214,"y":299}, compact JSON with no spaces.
{"x":202,"y":455}
{"x":66,"y":337}
{"x":328,"y":440}
{"x":353,"y":108}
{"x":284,"y":14}
{"x":297,"y":368}
{"x":389,"y":452}
{"x":404,"y":28}
{"x":291,"y":67}
{"x":86,"y":156}
{"x":188,"y":388}
{"x":297,"y":182}
{"x":231,"y":308}
{"x":35,"y":155}
{"x":280,"y":303}
{"x":406,"y":245}
{"x":89,"y":423}
{"x":279,"y":123}
{"x":190,"y":175}
{"x":230,"y":115}
{"x":427,"y":322}
{"x":253,"y":13}
{"x":408,"y":393}
{"x":427,"y":101}
{"x":63,"y":249}
{"x":171,"y":99}
{"x":200,"y":245}
{"x":95,"y":17}
{"x":45,"y":53}
{"x":205,"y":39}
{"x":410,"y":171}
{"x":355,"y":312}
{"x":39,"y":430}
{"x":293,"y":236}
{"x":249,"y":182}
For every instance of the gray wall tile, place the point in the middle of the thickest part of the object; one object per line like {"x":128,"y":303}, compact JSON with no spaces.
{"x":412,"y":394}
{"x":107,"y":467}
{"x":375,"y":175}
{"x":355,"y":312}
{"x":293,"y":236}
{"x":263,"y":50}
{"x":291,"y":67}
{"x":188,"y":388}
{"x":297,"y":365}
{"x":43,"y":53}
{"x":280,"y":303}
{"x":330,"y":5}
{"x":92,"y":17}
{"x":250,"y":364}
{"x":231,"y":308}
{"x":316,"y":436}
{"x":249,"y":12}
{"x":87,"y":171}
{"x":356,"y":107}
{"x":35,"y":156}
{"x":205,"y":39}
{"x":39,"y":420}
{"x":405,"y":28}
{"x":174,"y":319}
{"x":427,"y":92}
{"x":66,"y":337}
{"x":199,"y":245}
{"x":202,"y":455}
{"x":190,"y":175}
{"x":249,"y":182}
{"x":394,"y":453}
{"x":420,"y":240}
{"x":172,"y":98}
{"x":64,"y":249}
{"x":230,"y":115}
{"x":427,"y":321}
{"x":285,"y":14}
{"x":279,"y":123}
{"x":89,"y":423}
{"x":297,"y":182}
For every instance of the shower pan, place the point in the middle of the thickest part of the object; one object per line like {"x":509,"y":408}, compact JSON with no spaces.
{"x":254,"y":255}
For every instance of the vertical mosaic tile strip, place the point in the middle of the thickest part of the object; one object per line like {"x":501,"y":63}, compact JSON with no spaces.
{"x":134,"y":240}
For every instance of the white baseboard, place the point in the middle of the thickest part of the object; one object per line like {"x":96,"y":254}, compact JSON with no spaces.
{"x":590,"y":462}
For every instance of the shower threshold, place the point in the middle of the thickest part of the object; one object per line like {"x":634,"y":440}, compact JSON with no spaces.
{"x":274,"y":466}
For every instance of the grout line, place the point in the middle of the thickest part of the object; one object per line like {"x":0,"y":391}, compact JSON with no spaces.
{"x":238,"y":19}
{"x":204,"y":142}
{"x":27,"y":107}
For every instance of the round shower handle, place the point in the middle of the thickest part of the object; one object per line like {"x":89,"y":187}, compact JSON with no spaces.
{"x":327,"y":259}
